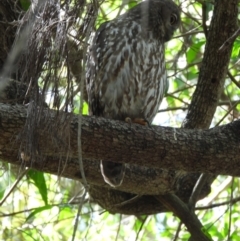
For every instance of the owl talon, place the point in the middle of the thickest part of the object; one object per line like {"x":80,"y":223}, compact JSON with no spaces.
{"x":139,"y":121}
{"x":128,"y":120}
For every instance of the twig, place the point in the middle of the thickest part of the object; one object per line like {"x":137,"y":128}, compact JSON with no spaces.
{"x":78,"y":214}
{"x":232,"y":107}
{"x":216,"y":205}
{"x":236,"y":102}
{"x":229,"y":41}
{"x":118,"y":229}
{"x":178,"y":231}
{"x":177,"y":98}
{"x":197,"y":190}
{"x":128,"y":201}
{"x":204,"y":18}
{"x":24,"y":172}
{"x":230,"y":212}
{"x":143,"y":222}
{"x":233,"y":79}
{"x":173,"y":109}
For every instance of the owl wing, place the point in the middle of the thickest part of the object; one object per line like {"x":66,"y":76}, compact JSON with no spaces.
{"x":94,"y":70}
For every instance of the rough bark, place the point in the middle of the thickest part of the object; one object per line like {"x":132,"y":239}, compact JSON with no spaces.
{"x":214,"y":65}
{"x":214,"y":151}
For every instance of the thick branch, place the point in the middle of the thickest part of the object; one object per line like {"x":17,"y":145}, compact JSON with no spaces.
{"x":214,"y":151}
{"x":214,"y":65}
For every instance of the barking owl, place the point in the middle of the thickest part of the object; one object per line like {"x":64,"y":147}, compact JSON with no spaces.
{"x":126,"y":74}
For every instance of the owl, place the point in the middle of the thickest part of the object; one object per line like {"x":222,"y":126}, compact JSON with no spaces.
{"x":126,"y":75}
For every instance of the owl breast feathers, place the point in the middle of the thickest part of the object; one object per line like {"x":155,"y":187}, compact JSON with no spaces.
{"x":126,"y":75}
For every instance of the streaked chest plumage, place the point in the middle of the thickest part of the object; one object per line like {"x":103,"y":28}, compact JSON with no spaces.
{"x":128,"y":76}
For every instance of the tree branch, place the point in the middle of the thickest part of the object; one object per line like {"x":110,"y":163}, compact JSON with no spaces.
{"x":182,"y":211}
{"x":214,"y":65}
{"x":214,"y":151}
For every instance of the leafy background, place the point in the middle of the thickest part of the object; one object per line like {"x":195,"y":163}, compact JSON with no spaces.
{"x":40,"y":206}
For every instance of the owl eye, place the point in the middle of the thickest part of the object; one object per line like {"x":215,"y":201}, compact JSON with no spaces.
{"x":173,"y":19}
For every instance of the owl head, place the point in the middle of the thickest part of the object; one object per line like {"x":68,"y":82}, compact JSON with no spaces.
{"x":170,"y":16}
{"x":161,"y":17}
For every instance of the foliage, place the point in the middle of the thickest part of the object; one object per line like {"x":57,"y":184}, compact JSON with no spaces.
{"x":44,"y":207}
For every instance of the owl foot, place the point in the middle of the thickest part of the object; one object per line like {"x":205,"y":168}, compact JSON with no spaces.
{"x":139,"y":121}
{"x":112,"y":172}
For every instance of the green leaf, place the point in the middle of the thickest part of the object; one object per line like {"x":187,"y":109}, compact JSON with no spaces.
{"x":204,"y":230}
{"x":40,"y":183}
{"x":85,"y":108}
{"x":236,"y":49}
{"x":65,"y":212}
{"x":25,"y":4}
{"x":131,"y":4}
{"x":2,"y":191}
{"x":193,"y":52}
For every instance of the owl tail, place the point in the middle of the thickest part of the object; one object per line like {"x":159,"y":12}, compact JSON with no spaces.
{"x":112,"y":172}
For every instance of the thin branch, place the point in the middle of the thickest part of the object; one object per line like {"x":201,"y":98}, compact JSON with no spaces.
{"x":140,"y":228}
{"x":197,"y":190}
{"x":216,"y":205}
{"x":181,"y":89}
{"x":181,"y":210}
{"x":22,"y":174}
{"x":221,"y":103}
{"x":119,"y":227}
{"x":178,"y":231}
{"x":233,"y":79}
{"x":229,"y":41}
{"x":230,"y":212}
{"x":78,"y":215}
{"x":173,"y":109}
{"x":228,"y":112}
{"x":177,"y":98}
{"x":131,"y":200}
{"x":204,"y":18}
{"x":218,"y":190}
